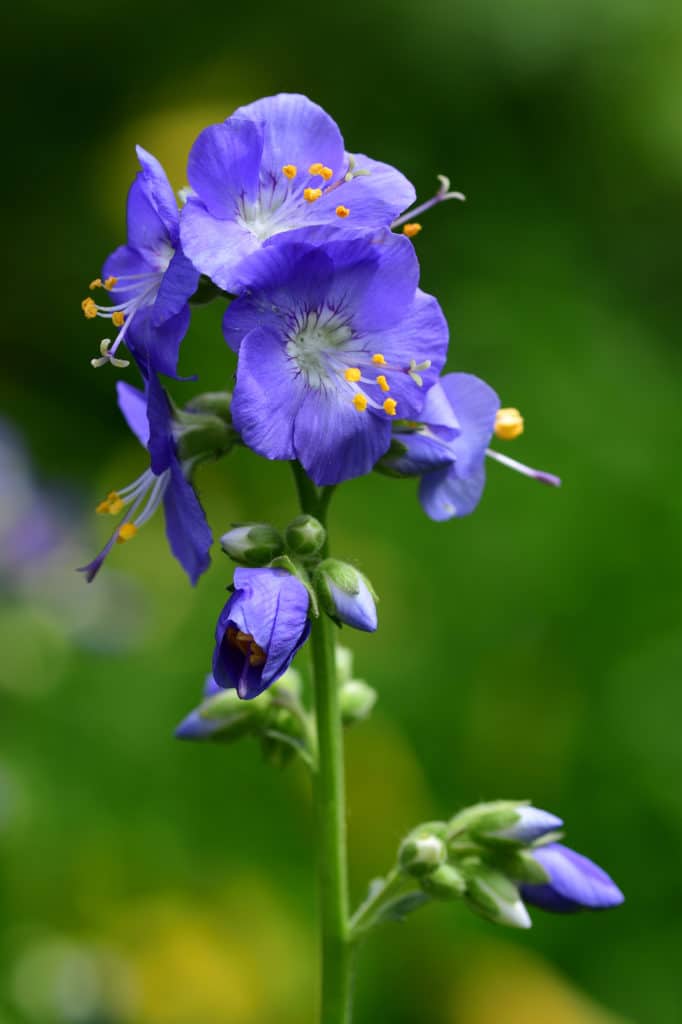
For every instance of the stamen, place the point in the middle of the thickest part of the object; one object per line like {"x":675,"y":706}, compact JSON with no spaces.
{"x":311,"y":194}
{"x":353,"y":374}
{"x":390,"y":406}
{"x":89,"y":308}
{"x":110,"y":283}
{"x":290,"y":171}
{"x":105,"y":357}
{"x":326,"y":173}
{"x":378,"y":359}
{"x":118,"y":318}
{"x":360,"y":402}
{"x":383,"y":383}
{"x":112,"y":504}
{"x":126,"y":532}
{"x":411,"y":230}
{"x":97,"y":283}
{"x":342,"y":211}
{"x":316,"y":169}
{"x":508,"y":424}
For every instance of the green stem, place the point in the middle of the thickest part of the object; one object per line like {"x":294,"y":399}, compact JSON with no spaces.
{"x":330,"y":804}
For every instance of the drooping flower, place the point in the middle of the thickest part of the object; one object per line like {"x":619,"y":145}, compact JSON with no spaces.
{"x":448,"y":447}
{"x":335,"y":340}
{"x":276,"y":165}
{"x":575,"y":883}
{"x":148,"y":414}
{"x":150,"y":278}
{"x":260,"y":629}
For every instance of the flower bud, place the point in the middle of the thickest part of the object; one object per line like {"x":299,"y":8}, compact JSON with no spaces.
{"x":222,"y":716}
{"x":289,"y":685}
{"x":201,"y":433}
{"x":305,"y":535}
{"x":344,"y":663}
{"x":218,"y":403}
{"x":445,"y":883}
{"x":345,"y":594}
{"x":356,"y":700}
{"x":530,"y":823}
{"x":491,"y":895}
{"x":253,"y":544}
{"x":423,"y":849}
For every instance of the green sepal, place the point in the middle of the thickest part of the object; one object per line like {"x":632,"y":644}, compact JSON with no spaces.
{"x":284,"y":562}
{"x":445,"y":883}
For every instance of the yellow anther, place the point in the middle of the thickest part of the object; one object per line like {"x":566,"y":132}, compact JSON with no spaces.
{"x":383,"y":383}
{"x":390,"y":406}
{"x":508,"y":424}
{"x":311,"y":194}
{"x":353,"y":374}
{"x":290,"y":171}
{"x":360,"y":402}
{"x":342,"y":211}
{"x":378,"y":359}
{"x":316,"y":168}
{"x":97,"y":283}
{"x":118,"y":318}
{"x":257,"y":657}
{"x":112,"y":504}
{"x":411,"y":230}
{"x":89,"y":308}
{"x":326,"y":173}
{"x":127,"y":532}
{"x":110,"y":283}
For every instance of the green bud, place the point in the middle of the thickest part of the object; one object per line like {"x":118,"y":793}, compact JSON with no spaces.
{"x":486,"y":817}
{"x":356,"y":700}
{"x":202,"y":435}
{"x":217,"y":403}
{"x":252,"y":544}
{"x":491,"y":895}
{"x":346,"y":594}
{"x":305,"y":535}
{"x":288,"y":685}
{"x":521,"y":866}
{"x":423,"y":849}
{"x":445,"y":883}
{"x":344,"y":663}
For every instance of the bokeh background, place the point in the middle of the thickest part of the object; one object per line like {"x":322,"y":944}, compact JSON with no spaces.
{"x":532,"y":650}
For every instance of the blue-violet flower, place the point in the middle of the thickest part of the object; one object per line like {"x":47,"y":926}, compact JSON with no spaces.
{"x":575,"y":883}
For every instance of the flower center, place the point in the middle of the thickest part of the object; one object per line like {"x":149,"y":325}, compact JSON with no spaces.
{"x":313,"y":343}
{"x":247,"y":646}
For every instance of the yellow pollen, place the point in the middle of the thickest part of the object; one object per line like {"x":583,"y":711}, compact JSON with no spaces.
{"x":257,"y":657}
{"x":127,"y":532}
{"x":316,"y":168}
{"x":383,"y":383}
{"x":311,"y":194}
{"x":390,"y":406}
{"x":89,"y":308}
{"x":508,"y":424}
{"x":326,"y":173}
{"x":111,"y":506}
{"x":411,"y":230}
{"x":118,"y":318}
{"x":290,"y":171}
{"x":353,"y":374}
{"x":110,"y":283}
{"x":360,"y":402}
{"x":97,"y":283}
{"x":378,"y":359}
{"x":342,"y":211}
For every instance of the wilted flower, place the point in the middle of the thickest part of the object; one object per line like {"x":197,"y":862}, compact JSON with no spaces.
{"x":335,"y":340}
{"x":150,"y":278}
{"x":260,"y":629}
{"x":575,"y":883}
{"x":276,"y":165}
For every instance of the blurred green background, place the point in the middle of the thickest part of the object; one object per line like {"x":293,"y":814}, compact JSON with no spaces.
{"x":532,"y":650}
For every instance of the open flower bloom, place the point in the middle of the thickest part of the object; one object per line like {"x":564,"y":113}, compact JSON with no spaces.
{"x":260,"y":629}
{"x":575,"y":883}
{"x":150,"y":278}
{"x":335,"y":340}
{"x":273,"y":166}
{"x":449,"y":445}
{"x":148,"y":414}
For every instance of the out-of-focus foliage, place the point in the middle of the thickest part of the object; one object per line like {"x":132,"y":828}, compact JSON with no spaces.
{"x":531,"y":651}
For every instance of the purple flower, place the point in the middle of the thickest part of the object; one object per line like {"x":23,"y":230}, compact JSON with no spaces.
{"x":575,"y":883}
{"x":150,"y":278}
{"x":276,"y":165}
{"x":332,"y":340}
{"x":260,"y":629}
{"x":345,"y":595}
{"x":449,"y":446}
{"x":166,"y":482}
{"x":532,"y":823}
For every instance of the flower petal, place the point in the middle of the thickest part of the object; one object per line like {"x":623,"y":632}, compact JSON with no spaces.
{"x":475,"y":404}
{"x":374,"y":198}
{"x":177,"y":287}
{"x":295,"y":131}
{"x":146,"y":230}
{"x":444,"y":495}
{"x":160,"y":192}
{"x":156,"y":349}
{"x":216,"y":247}
{"x":133,"y":404}
{"x":189,"y":535}
{"x":575,"y":882}
{"x":224,"y":163}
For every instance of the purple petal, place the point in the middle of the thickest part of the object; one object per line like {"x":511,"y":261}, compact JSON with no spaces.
{"x":160,"y":192}
{"x":377,"y":197}
{"x":157,"y":349}
{"x":211,"y":688}
{"x":575,"y":882}
{"x":267,"y":395}
{"x":531,"y":825}
{"x":177,"y":287}
{"x":422,"y":454}
{"x":356,"y":610}
{"x":133,"y":404}
{"x":215,"y":247}
{"x":223,"y":166}
{"x":438,"y":414}
{"x":475,"y":405}
{"x":146,"y":230}
{"x":188,"y":532}
{"x":122,"y":262}
{"x":194,"y":727}
{"x":444,"y":496}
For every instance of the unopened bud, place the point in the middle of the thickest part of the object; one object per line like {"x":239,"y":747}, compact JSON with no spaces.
{"x":424,"y":849}
{"x":491,"y":895}
{"x":305,"y":535}
{"x":445,"y":883}
{"x":288,"y":685}
{"x":253,"y":544}
{"x":344,"y":663}
{"x":356,"y":700}
{"x":345,"y":594}
{"x":529,"y":824}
